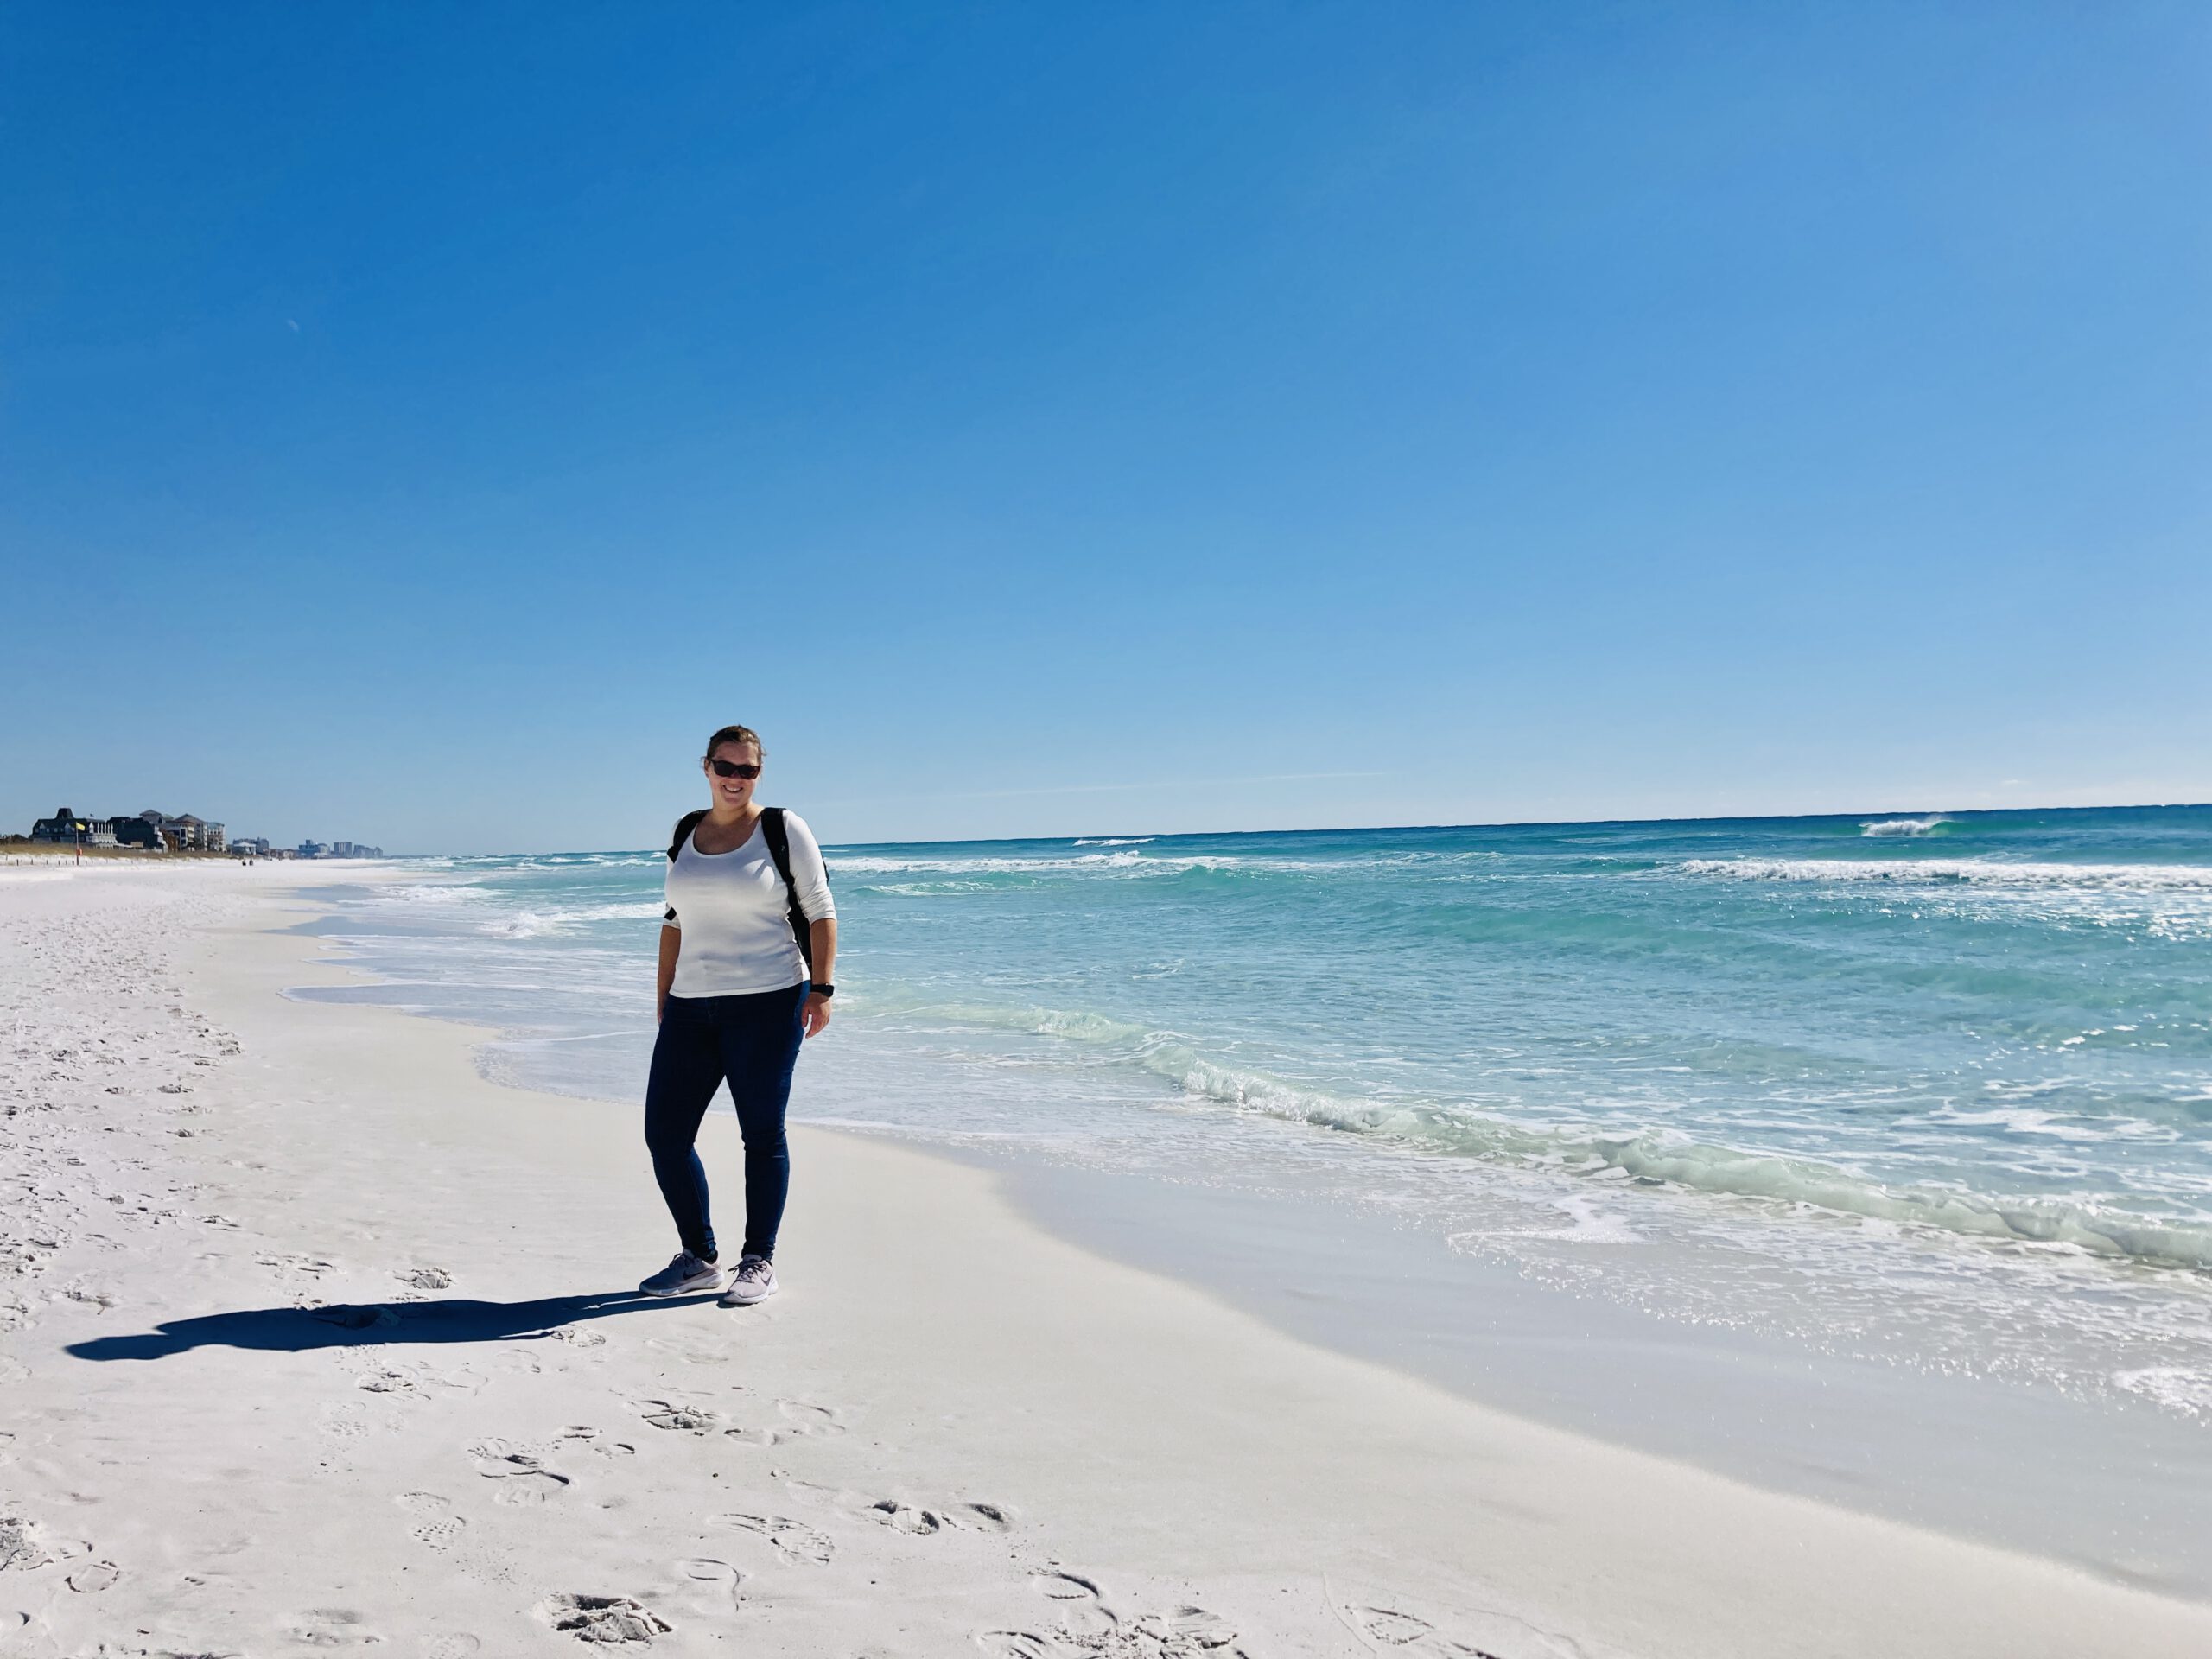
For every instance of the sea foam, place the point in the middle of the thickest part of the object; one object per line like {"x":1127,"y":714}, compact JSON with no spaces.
{"x":1651,"y":1156}
{"x":1980,"y":872}
{"x":1902,"y":826}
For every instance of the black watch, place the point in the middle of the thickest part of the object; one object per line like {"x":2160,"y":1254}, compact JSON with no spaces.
{"x":822,"y":990}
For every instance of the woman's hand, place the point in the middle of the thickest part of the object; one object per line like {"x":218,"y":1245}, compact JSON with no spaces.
{"x":815,"y":1014}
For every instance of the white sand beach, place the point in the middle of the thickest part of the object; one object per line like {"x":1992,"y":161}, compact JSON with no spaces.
{"x":312,"y":1338}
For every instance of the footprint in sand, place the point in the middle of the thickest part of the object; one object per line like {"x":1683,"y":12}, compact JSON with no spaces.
{"x":800,"y":1418}
{"x":313,"y":1266}
{"x":904,"y":1518}
{"x":576,"y":1336}
{"x":1088,"y":1628}
{"x":603,"y":1618}
{"x":1078,"y":1602}
{"x":330,"y":1627}
{"x":794,"y":1541}
{"x":460,"y":1380}
{"x":456,"y":1644}
{"x":668,"y":1413}
{"x":1020,"y":1644}
{"x":426,"y":1279}
{"x":691,"y":1353}
{"x":584,"y":1435}
{"x":1186,"y":1630}
{"x":440,"y":1536}
{"x":523,"y":1478}
{"x":800,"y":1421}
{"x":713,"y":1584}
{"x":522,"y":1488}
{"x":1056,"y":1586}
{"x":901,"y":1517}
{"x":1392,"y":1627}
{"x":94,"y":1577}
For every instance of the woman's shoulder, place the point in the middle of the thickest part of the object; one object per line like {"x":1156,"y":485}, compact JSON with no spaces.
{"x":796,"y":825}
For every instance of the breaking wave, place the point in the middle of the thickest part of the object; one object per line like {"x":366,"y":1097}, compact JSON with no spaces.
{"x":1654,"y":1158}
{"x":1093,"y":863}
{"x":1975,"y":872}
{"x":540,"y":924}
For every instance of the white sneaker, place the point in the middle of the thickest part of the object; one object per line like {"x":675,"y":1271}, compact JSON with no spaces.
{"x":684,"y":1272}
{"x":755,"y":1281}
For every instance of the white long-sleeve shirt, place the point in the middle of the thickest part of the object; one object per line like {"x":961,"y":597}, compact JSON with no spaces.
{"x":734,"y":912}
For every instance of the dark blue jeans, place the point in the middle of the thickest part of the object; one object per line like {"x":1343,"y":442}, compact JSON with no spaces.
{"x":751,"y":1042}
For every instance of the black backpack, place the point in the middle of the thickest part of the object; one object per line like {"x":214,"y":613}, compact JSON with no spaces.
{"x":780,"y":848}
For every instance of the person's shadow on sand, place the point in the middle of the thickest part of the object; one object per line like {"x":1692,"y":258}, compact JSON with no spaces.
{"x":455,"y":1318}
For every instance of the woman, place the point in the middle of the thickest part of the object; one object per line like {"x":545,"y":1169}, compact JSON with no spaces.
{"x":737,"y":993}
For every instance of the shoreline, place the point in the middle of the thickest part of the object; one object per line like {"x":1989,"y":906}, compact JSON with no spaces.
{"x":2116,"y":1482}
{"x":992,"y":1434}
{"x":2117,"y":1487}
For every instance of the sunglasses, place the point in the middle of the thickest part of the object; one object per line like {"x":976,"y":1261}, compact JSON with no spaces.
{"x":733,"y":769}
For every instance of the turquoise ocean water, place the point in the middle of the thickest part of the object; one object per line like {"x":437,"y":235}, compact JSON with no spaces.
{"x":1934,"y":1089}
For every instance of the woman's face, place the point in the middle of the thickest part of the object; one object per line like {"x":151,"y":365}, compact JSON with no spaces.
{"x":735,"y":793}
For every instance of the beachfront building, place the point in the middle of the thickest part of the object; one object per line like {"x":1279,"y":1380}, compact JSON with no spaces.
{"x":149,"y":831}
{"x":66,"y":829}
{"x":197,"y":835}
{"x":312,"y":849}
{"x":186,"y":833}
{"x":255,"y":846}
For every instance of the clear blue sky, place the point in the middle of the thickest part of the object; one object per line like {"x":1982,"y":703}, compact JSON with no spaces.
{"x":423,"y":424}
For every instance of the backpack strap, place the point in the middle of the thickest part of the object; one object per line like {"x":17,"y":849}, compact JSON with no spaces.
{"x":684,"y":826}
{"x":774,"y":831}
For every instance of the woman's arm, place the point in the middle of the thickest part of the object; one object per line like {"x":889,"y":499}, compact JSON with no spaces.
{"x":825,"y":934}
{"x":810,"y":877}
{"x":671,"y":941}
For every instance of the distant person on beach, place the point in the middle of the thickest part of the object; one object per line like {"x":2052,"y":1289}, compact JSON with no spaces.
{"x":745,"y":953}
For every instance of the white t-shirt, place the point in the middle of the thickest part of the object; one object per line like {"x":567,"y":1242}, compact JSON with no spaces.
{"x":734,"y":911}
